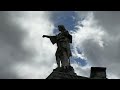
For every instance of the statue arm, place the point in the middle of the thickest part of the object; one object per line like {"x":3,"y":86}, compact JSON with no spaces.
{"x":53,"y":39}
{"x":46,"y":36}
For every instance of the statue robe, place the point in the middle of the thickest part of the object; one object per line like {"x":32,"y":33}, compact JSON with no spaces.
{"x":63,"y":52}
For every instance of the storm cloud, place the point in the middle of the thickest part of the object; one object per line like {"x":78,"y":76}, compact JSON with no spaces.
{"x":11,"y":50}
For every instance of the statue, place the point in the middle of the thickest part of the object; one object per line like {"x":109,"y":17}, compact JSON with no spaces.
{"x":63,"y":53}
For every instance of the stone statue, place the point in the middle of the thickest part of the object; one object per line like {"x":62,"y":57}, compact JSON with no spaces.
{"x":63,"y":53}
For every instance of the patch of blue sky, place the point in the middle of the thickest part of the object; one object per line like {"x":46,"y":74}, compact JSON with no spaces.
{"x":79,"y":61}
{"x":69,"y":19}
{"x":66,"y":18}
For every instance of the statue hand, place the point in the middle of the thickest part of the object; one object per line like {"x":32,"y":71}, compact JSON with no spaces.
{"x":46,"y":36}
{"x":43,"y":36}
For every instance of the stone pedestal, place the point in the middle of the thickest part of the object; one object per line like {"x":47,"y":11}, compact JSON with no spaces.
{"x":61,"y":73}
{"x":68,"y":73}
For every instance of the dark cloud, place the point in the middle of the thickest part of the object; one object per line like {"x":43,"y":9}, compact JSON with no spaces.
{"x":93,"y":52}
{"x":109,"y":20}
{"x":9,"y":33}
{"x":11,"y":50}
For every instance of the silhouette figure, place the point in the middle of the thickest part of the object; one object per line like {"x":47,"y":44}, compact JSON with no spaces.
{"x":63,"y":53}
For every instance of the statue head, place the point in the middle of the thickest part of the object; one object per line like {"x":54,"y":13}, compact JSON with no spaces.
{"x":61,"y":28}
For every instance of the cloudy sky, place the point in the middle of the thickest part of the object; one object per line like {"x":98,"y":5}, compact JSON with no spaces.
{"x":24,"y":54}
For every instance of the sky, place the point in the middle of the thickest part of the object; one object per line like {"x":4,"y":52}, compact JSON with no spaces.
{"x":24,"y":54}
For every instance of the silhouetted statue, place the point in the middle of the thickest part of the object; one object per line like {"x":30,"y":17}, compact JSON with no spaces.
{"x":63,"y":40}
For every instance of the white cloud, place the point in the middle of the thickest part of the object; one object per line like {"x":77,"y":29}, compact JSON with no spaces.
{"x":35,"y":24}
{"x":99,"y":43}
{"x":81,"y":71}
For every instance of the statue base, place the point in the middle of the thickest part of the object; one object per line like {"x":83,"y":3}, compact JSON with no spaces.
{"x":67,"y":73}
{"x":67,"y":70}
